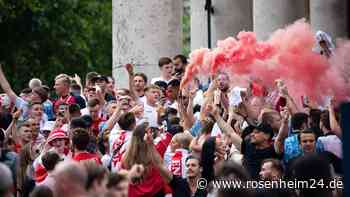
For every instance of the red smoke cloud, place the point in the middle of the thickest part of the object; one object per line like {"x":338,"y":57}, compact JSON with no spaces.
{"x":287,"y":55}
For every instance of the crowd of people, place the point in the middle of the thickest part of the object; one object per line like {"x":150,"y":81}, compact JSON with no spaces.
{"x":155,"y":139}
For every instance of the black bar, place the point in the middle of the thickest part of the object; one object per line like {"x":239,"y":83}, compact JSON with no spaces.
{"x":210,"y":10}
{"x":345,"y":127}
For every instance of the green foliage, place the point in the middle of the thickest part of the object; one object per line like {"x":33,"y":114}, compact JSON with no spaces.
{"x":186,"y":29}
{"x":42,"y":38}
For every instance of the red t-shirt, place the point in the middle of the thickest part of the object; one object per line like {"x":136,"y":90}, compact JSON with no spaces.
{"x":66,"y":100}
{"x":18,"y":147}
{"x":151,"y":185}
{"x":95,"y":126}
{"x":83,"y":156}
{"x":153,"y":182}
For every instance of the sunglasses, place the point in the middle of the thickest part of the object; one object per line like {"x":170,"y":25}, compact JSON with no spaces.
{"x":91,"y":89}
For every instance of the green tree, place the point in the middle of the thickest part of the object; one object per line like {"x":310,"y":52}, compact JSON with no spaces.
{"x":186,"y":28}
{"x":41,"y":38}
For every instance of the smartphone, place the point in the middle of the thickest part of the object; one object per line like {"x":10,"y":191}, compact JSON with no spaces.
{"x":281,"y":103}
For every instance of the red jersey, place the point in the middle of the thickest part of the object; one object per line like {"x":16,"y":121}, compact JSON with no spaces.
{"x":153,"y":182}
{"x":150,"y":186}
{"x":95,"y":127}
{"x":84,"y":156}
{"x":63,"y":100}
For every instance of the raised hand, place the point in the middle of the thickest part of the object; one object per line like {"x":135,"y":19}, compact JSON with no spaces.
{"x":332,"y":103}
{"x":16,"y":114}
{"x":130,"y":69}
{"x":285,"y":114}
{"x":77,"y":79}
{"x":136,"y":172}
{"x":137,"y":110}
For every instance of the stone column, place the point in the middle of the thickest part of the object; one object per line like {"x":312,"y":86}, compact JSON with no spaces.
{"x":199,"y":25}
{"x":144,"y":31}
{"x":270,"y":15}
{"x":229,"y":18}
{"x":329,"y":16}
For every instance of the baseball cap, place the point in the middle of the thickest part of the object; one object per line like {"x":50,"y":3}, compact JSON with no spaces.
{"x":100,"y":77}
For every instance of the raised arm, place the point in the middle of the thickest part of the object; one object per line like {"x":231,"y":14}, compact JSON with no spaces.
{"x":186,"y":115}
{"x":290,"y":101}
{"x":130,"y":69}
{"x":335,"y":127}
{"x":227,"y":129}
{"x":6,"y":86}
{"x":11,"y":129}
{"x":77,"y":79}
{"x":189,"y":110}
{"x":114,"y":118}
{"x":164,"y":172}
{"x":282,"y":133}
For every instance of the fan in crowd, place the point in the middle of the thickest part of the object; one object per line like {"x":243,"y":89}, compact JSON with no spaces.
{"x":155,"y":139}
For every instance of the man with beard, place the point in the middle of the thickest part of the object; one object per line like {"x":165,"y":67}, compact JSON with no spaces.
{"x":137,"y":83}
{"x":194,"y":171}
{"x":180,"y":63}
{"x":223,"y":81}
{"x":257,"y":148}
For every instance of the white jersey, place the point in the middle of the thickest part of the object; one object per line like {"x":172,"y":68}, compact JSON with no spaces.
{"x":177,"y":164}
{"x":118,"y":147}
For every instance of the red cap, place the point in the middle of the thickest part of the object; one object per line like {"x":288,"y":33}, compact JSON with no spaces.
{"x":57,"y":134}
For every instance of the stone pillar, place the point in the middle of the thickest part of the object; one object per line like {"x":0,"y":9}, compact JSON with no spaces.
{"x":270,"y":15}
{"x":229,"y":18}
{"x":144,"y":31}
{"x":329,"y":16}
{"x":199,"y":25}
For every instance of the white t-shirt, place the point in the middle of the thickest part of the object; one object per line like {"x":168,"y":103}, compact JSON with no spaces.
{"x":333,"y":144}
{"x":159,"y":79}
{"x":86,"y":111}
{"x":142,"y":99}
{"x":150,"y":114}
{"x":118,"y":146}
{"x":173,"y":105}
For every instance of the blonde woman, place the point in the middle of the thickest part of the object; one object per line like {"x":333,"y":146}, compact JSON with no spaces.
{"x":142,"y":151}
